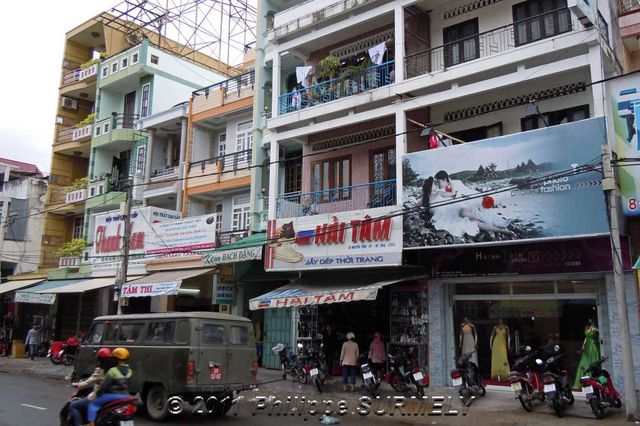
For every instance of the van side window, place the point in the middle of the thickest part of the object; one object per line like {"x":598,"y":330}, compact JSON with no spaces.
{"x":130,"y":332}
{"x":95,"y":335}
{"x":213,"y":334}
{"x":111,"y":335}
{"x":161,"y":332}
{"x":183,"y":333}
{"x":239,"y":335}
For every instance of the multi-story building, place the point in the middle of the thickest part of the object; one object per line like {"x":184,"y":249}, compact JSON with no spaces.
{"x":355,"y":94}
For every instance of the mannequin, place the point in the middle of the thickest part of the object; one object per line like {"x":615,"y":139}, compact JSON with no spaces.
{"x":469,"y":340}
{"x":590,"y":350}
{"x":500,"y":343}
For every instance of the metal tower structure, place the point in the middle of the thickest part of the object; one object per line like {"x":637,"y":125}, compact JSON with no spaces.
{"x":220,"y":29}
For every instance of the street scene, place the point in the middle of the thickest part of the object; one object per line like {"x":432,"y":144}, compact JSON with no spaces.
{"x":321,"y":211}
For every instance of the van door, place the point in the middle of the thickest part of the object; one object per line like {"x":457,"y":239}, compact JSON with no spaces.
{"x":212,"y":353}
{"x":86,"y":358}
{"x":242,"y":352}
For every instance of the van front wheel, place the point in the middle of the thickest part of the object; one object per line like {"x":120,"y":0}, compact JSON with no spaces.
{"x":156,"y":403}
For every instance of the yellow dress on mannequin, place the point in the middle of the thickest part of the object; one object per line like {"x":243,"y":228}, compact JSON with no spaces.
{"x":499,"y":362}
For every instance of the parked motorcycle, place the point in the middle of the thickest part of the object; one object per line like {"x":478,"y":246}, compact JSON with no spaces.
{"x":406,"y":379}
{"x":116,"y":413}
{"x":466,"y":378}
{"x":369,"y":377}
{"x":555,"y":381}
{"x":597,"y":386}
{"x":290,"y":363}
{"x":64,"y":352}
{"x":525,"y":379}
{"x":317,"y":368}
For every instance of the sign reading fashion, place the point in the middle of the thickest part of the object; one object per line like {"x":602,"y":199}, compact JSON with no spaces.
{"x":525,"y":186}
{"x":182,"y":237}
{"x":217,"y":257}
{"x":341,"y":240}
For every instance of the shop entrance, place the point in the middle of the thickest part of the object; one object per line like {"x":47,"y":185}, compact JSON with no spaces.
{"x":512,"y":315}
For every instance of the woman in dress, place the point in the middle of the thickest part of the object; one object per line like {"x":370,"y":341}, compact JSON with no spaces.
{"x":590,"y":350}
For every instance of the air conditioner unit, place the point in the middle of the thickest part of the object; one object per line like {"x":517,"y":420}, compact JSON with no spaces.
{"x":69,"y":103}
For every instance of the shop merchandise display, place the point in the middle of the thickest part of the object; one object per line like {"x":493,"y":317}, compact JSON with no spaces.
{"x":590,"y":351}
{"x":469,"y":340}
{"x":500,"y":343}
{"x":409,"y":322}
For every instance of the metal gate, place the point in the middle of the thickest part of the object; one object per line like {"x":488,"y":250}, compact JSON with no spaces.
{"x":277,"y":329}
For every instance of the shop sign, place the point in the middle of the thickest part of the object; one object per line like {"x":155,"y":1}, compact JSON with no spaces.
{"x":43,"y":298}
{"x":231,"y":256}
{"x":625,"y":114}
{"x":355,"y":239}
{"x":274,"y":301}
{"x":181,"y":237}
{"x":223,"y":291}
{"x":168,"y":288}
{"x":107,"y":240}
{"x":533,"y":185}
{"x":569,"y":256}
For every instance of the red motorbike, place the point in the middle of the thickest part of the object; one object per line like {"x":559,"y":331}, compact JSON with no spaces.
{"x":115,"y":413}
{"x":64,"y":352}
{"x":599,"y":390}
{"x":525,"y":379}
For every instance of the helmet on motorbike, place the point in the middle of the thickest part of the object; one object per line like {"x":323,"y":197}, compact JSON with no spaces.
{"x":104,"y":353}
{"x":120,"y":353}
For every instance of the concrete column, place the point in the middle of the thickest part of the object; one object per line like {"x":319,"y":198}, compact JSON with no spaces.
{"x":597,"y":74}
{"x":399,"y":42}
{"x":182,"y":184}
{"x":170,"y":147}
{"x":276,"y":79}
{"x":147,"y":163}
{"x":7,"y":171}
{"x":274,"y":173}
{"x":401,"y":149}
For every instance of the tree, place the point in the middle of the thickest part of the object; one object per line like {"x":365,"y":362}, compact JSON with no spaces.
{"x":409,"y":176}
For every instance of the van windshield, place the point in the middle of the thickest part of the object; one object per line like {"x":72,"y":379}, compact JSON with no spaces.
{"x":95,"y":335}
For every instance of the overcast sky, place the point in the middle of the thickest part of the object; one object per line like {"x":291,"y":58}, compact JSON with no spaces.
{"x":33,"y":35}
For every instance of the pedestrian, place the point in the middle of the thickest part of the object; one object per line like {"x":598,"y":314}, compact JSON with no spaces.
{"x":329,"y":347}
{"x":4,"y":345}
{"x":349,"y":360}
{"x":33,"y":340}
{"x":377,"y":354}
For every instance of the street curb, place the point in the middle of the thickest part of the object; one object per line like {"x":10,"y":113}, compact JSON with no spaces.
{"x":26,"y":372}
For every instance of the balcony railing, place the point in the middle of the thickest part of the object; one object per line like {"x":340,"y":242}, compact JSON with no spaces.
{"x":75,"y":196}
{"x":116,"y":121}
{"x":88,"y":72}
{"x":65,"y":135}
{"x":627,"y":6}
{"x":69,"y":262}
{"x":82,"y":132}
{"x":347,"y":198}
{"x":71,"y":77}
{"x":231,"y":90}
{"x":229,"y":163}
{"x":490,"y":43}
{"x":337,"y":88}
{"x":163,"y":173}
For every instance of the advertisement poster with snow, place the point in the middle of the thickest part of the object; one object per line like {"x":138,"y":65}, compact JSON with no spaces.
{"x":536,"y":185}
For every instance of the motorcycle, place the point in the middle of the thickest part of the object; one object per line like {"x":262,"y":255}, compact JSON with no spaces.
{"x":599,"y":390}
{"x":369,"y":377}
{"x":115,"y":413}
{"x":317,"y":368}
{"x":466,"y":379}
{"x":64,"y":352}
{"x":525,"y":379}
{"x":406,"y":379}
{"x":290,"y":363}
{"x":555,"y":381}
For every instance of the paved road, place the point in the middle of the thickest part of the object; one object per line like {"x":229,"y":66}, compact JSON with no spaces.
{"x":34,"y":401}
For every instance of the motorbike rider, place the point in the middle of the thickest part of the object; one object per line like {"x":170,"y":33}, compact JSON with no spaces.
{"x":115,"y":385}
{"x":77,"y":409}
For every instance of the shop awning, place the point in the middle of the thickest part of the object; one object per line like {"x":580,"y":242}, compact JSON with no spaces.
{"x":330,"y":287}
{"x":42,"y":293}
{"x":88,"y":285}
{"x":249,"y":248}
{"x":17,"y":285}
{"x":166,"y":283}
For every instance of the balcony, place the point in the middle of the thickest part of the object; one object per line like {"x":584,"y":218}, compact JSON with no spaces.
{"x":75,"y":196}
{"x":337,"y":88}
{"x":348,"y":198}
{"x":65,"y":135}
{"x":105,"y":191}
{"x":71,"y":77}
{"x":224,"y":93}
{"x":88,"y":72}
{"x":166,"y":173}
{"x":628,"y":6}
{"x":490,"y":43}
{"x":118,"y":127}
{"x":69,"y":262}
{"x":82,"y":133}
{"x":220,"y":169}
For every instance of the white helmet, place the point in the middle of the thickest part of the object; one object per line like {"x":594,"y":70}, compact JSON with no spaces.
{"x":278,"y":348}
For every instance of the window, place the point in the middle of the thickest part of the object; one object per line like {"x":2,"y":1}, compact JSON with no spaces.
{"x":105,"y":71}
{"x":478,"y":133}
{"x":160,"y":332}
{"x":244,"y":141}
{"x":144,"y":106}
{"x":134,"y":58}
{"x":222,"y":145}
{"x":124,"y":332}
{"x":154,"y":59}
{"x":140,"y":160}
{"x":114,"y":67}
{"x":239,"y":335}
{"x":95,"y":335}
{"x":241,"y":208}
{"x":218,"y":218}
{"x":538,"y":19}
{"x":554,"y":118}
{"x":125,"y":63}
{"x":212,"y":334}
{"x":461,"y":43}
{"x":293,"y":176}
{"x":106,"y":128}
{"x":98,"y":130}
{"x":332,"y":174}
{"x":78,"y":227}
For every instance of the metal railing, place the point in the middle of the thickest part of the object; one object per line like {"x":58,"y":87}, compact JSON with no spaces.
{"x":490,"y":42}
{"x":71,"y":77}
{"x":230,"y":86}
{"x":347,"y":198}
{"x":603,"y":27}
{"x":337,"y":88}
{"x":116,"y":121}
{"x":627,"y":6}
{"x":65,"y":135}
{"x":228,"y":162}
{"x":167,"y":171}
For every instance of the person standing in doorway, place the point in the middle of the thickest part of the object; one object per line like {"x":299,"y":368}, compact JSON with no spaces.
{"x":349,"y":360}
{"x":33,"y":340}
{"x":329,"y":346}
{"x":377,"y":354}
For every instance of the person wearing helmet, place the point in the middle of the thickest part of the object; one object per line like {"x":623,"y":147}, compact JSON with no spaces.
{"x":115,"y":385}
{"x":78,"y":408}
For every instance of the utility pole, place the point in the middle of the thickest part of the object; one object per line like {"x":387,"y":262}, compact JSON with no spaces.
{"x":121,"y":276}
{"x":609,"y":188}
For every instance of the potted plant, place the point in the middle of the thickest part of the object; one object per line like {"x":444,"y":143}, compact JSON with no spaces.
{"x":329,"y":67}
{"x":87,"y":120}
{"x":77,"y":184}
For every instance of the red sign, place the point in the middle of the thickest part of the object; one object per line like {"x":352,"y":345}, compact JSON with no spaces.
{"x":216,"y":373}
{"x":111,"y":243}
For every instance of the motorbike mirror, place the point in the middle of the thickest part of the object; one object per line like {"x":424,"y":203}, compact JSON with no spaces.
{"x":539,"y":361}
{"x":556,"y":348}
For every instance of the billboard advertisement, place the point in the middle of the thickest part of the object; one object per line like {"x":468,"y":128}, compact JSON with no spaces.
{"x":625,"y":104}
{"x":182,"y":237}
{"x":526,"y":186}
{"x":355,"y":239}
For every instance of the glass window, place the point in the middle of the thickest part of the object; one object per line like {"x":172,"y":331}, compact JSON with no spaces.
{"x":538,"y":19}
{"x":144,"y":107}
{"x":483,"y":288}
{"x":154,"y":59}
{"x":95,"y":335}
{"x":124,"y":332}
{"x":244,"y":141}
{"x":105,"y":71}
{"x":183,"y":333}
{"x":332,"y":174}
{"x":114,"y":67}
{"x":78,"y":227}
{"x":239,"y":335}
{"x":134,"y":58}
{"x":140,"y":158}
{"x":213,"y":334}
{"x":161,"y":332}
{"x":461,"y":43}
{"x":541,"y":287}
{"x":241,"y":208}
{"x":125,"y":63}
{"x":577,"y":286}
{"x":554,"y":118}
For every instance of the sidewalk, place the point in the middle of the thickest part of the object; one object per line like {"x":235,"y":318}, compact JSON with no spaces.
{"x":38,"y":367}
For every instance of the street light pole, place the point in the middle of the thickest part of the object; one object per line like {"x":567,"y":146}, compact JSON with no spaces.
{"x":609,"y":188}
{"x":121,"y":276}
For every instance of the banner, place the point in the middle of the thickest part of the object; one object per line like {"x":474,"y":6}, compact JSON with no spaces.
{"x":168,"y":288}
{"x":506,"y":189}
{"x":625,"y":114}
{"x":355,"y":239}
{"x":182,"y":237}
{"x":217,"y":257}
{"x":43,"y":298}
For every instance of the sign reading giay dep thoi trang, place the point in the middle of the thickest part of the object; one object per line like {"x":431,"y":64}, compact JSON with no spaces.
{"x":356,"y":239}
